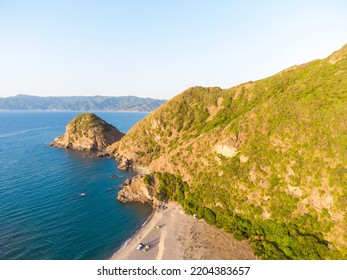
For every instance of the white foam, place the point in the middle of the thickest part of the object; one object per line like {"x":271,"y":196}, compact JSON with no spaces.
{"x":22,"y":132}
{"x":131,"y":237}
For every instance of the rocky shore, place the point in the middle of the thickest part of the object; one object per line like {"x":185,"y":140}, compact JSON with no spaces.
{"x":88,"y":132}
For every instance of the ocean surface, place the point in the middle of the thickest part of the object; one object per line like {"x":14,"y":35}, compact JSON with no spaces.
{"x":42,"y":212}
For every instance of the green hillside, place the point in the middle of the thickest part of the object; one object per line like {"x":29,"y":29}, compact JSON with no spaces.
{"x":265,"y":160}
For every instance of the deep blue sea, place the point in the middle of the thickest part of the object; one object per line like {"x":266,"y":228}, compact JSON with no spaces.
{"x":42,"y":215}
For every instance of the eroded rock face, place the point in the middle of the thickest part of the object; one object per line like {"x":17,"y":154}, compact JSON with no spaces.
{"x":136,"y":191}
{"x":125,"y":164}
{"x":88,"y":132}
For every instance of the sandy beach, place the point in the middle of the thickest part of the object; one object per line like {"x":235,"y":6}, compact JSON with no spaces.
{"x":174,"y":235}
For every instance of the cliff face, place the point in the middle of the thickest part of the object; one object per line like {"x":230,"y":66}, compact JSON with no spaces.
{"x":135,"y":190}
{"x":88,"y":132}
{"x":265,"y":160}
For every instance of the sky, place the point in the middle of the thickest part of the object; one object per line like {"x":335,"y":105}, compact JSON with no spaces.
{"x":158,"y":48}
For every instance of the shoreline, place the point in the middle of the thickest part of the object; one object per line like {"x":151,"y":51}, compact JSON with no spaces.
{"x":174,"y":235}
{"x":126,"y":242}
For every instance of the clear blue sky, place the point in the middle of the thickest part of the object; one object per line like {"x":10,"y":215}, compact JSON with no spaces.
{"x":158,"y":48}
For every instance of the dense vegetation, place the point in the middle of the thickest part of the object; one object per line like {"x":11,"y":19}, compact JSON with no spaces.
{"x":270,"y":239}
{"x":265,"y":160}
{"x":80,"y":103}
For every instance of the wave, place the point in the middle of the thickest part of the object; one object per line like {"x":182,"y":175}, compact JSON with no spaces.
{"x":123,"y":245}
{"x":6,"y":135}
{"x":132,"y":236}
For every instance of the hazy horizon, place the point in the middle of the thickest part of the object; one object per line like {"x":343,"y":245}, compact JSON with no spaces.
{"x":156,"y":49}
{"x":96,"y":95}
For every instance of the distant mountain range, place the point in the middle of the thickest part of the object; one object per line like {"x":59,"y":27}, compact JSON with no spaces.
{"x":80,"y":103}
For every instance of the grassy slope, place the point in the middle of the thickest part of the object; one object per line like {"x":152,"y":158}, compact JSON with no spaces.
{"x":285,"y":187}
{"x":83,"y":122}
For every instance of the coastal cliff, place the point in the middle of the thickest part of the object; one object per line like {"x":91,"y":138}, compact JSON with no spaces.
{"x":265,"y":160}
{"x":135,"y":190}
{"x":88,"y":132}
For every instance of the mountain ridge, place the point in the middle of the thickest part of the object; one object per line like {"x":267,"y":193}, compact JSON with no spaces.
{"x":80,"y":103}
{"x":264,"y":160}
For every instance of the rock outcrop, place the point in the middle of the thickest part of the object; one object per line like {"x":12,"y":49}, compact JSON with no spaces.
{"x":88,"y":132}
{"x":125,"y":164}
{"x":135,"y":190}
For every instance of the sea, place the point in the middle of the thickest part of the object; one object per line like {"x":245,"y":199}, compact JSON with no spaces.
{"x":59,"y":204}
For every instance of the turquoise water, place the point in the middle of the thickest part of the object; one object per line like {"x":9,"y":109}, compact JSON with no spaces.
{"x":42,"y":215}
